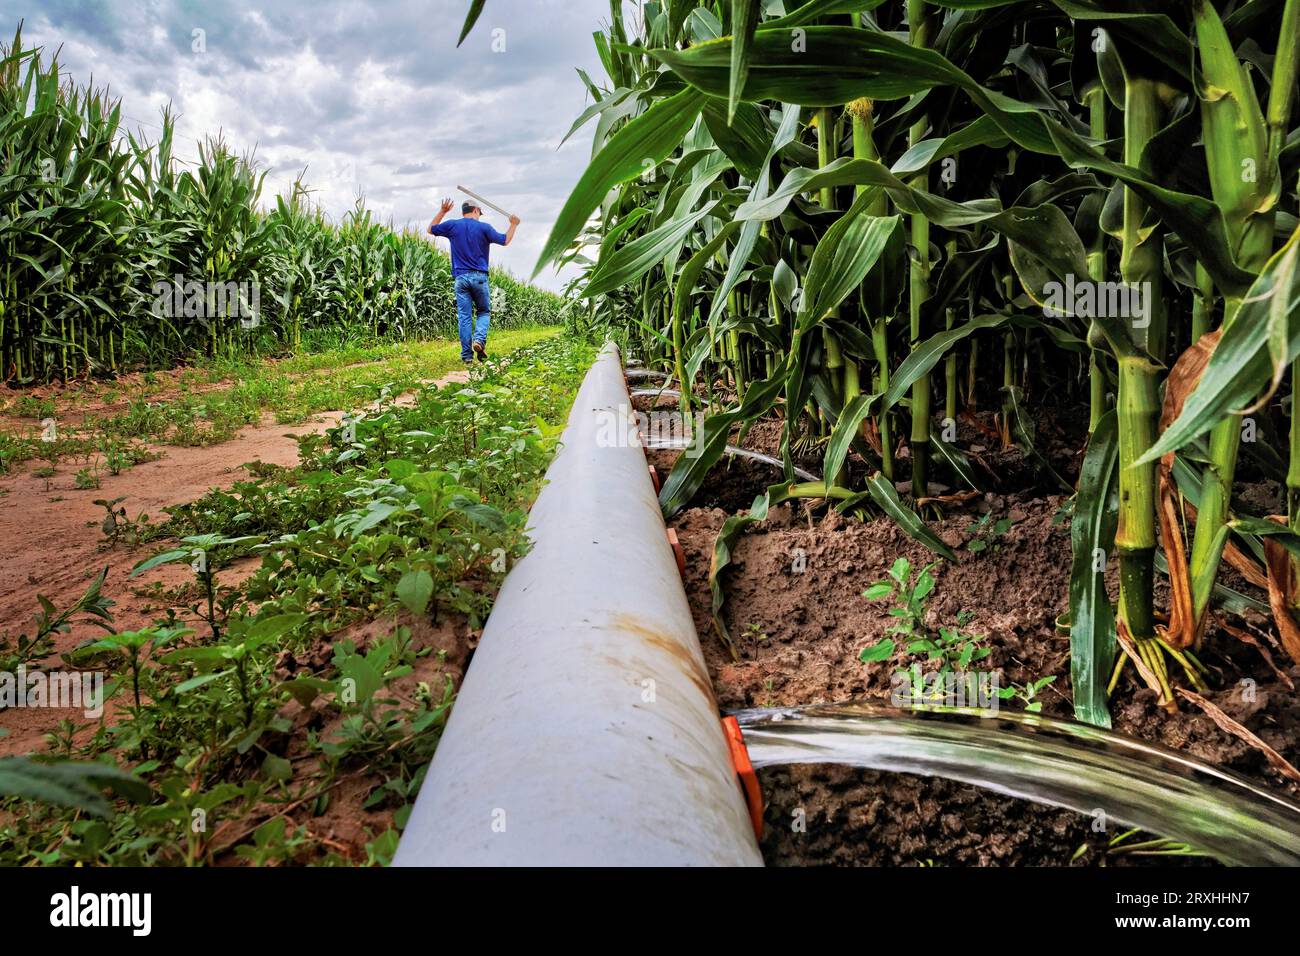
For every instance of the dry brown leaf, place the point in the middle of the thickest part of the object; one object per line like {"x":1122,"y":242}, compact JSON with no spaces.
{"x":1278,"y":576}
{"x":971,"y":419}
{"x":1183,"y":629}
{"x":957,"y":497}
{"x":1225,"y":722}
{"x":1184,"y":375}
{"x":1244,"y":565}
{"x":1243,"y":635}
{"x":1236,"y":558}
{"x":871,"y":432}
{"x":1281,"y":595}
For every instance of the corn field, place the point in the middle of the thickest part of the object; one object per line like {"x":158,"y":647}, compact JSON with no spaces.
{"x":105,"y":237}
{"x":870,"y":218}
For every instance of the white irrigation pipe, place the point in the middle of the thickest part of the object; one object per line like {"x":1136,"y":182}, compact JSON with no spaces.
{"x":586,"y":732}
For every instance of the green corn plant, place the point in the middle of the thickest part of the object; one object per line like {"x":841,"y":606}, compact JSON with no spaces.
{"x":1138,"y":398}
{"x":827,"y":151}
{"x":1242,"y":150}
{"x":920,"y":31}
{"x":1092,"y":94}
{"x":864,"y":147}
{"x":715,"y":236}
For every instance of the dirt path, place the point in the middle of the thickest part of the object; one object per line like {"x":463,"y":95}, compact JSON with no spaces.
{"x":52,"y":541}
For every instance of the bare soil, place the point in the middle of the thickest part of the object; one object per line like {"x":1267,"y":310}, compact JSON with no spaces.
{"x":796,"y":610}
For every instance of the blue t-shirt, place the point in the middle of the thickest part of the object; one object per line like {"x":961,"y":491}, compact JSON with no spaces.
{"x":470,"y":239}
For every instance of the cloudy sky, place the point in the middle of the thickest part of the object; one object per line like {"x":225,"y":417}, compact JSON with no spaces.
{"x":370,"y":97}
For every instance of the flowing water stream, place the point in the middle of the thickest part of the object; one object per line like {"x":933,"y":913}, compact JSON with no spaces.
{"x":1054,"y":762}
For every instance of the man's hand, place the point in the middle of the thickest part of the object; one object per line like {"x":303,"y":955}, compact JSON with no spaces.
{"x":442,"y":211}
{"x":514,"y":220}
{"x":510,"y":233}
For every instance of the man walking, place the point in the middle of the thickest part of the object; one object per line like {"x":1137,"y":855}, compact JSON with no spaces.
{"x":470,"y":238}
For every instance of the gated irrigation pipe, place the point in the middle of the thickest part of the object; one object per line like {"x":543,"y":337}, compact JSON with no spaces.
{"x":585,"y":732}
{"x":734,"y":450}
{"x":738,"y":452}
{"x":647,"y":373}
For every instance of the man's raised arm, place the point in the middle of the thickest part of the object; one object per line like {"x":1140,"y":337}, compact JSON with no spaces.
{"x":510,"y":233}
{"x":442,"y":211}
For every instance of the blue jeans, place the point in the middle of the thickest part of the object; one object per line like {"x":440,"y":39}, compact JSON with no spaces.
{"x":472,"y":294}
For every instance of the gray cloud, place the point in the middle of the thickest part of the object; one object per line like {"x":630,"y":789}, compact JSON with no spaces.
{"x":410,"y":169}
{"x":370,"y":97}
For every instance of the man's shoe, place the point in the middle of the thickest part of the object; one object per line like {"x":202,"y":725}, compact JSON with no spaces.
{"x":480,"y":351}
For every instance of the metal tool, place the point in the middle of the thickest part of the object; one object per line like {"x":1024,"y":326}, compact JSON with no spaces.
{"x":488,"y":203}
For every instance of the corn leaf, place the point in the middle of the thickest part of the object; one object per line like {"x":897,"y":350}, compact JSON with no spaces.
{"x":633,"y":260}
{"x":843,"y":258}
{"x":1092,"y":534}
{"x":926,"y":355}
{"x":884,"y":495}
{"x":69,"y":783}
{"x":846,"y":429}
{"x":471,"y":17}
{"x":1243,"y":361}
{"x":744,"y":20}
{"x":649,"y":138}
